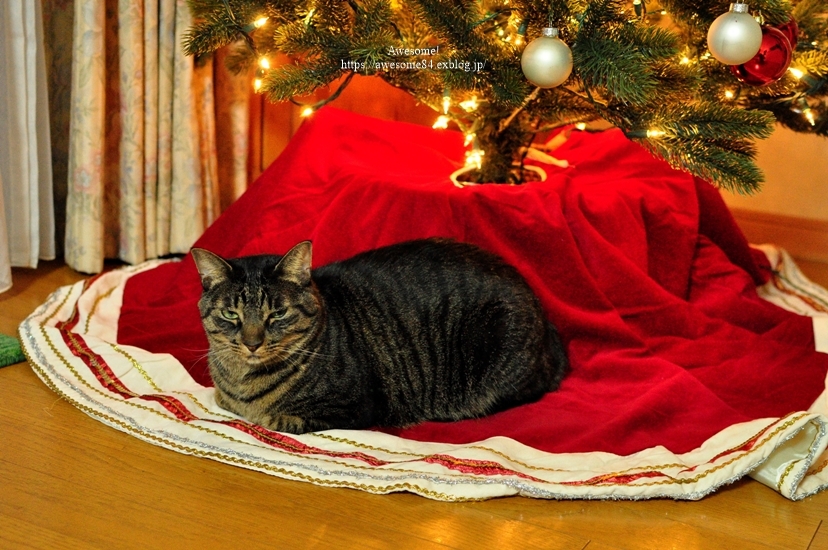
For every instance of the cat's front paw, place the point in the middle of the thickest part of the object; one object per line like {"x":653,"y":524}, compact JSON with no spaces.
{"x":286,"y":423}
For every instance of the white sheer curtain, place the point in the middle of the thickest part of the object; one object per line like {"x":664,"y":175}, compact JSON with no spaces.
{"x":143,"y":174}
{"x":26,"y":211}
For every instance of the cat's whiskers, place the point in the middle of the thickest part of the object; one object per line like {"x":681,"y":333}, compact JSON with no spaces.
{"x":215,"y":360}
{"x":228,"y":355}
{"x":289,"y":351}
{"x":272,"y":363}
{"x":203,"y":350}
{"x":202,"y":354}
{"x":309,"y":353}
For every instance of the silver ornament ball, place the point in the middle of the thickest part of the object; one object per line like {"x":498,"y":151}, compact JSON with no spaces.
{"x":734,"y":37}
{"x":546,"y":61}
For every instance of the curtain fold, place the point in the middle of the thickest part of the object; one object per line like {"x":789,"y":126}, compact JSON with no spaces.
{"x":5,"y":260}
{"x":26,"y":205}
{"x":143,"y":168}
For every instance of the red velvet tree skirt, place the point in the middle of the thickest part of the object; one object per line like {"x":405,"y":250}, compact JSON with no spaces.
{"x":683,"y":378}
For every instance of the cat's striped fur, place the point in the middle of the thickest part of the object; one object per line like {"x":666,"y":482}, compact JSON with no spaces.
{"x":424,"y":330}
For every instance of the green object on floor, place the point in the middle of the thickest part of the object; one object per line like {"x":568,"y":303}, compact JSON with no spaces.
{"x":10,"y":352}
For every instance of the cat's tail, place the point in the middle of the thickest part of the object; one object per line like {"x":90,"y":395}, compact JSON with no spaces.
{"x":557,"y":361}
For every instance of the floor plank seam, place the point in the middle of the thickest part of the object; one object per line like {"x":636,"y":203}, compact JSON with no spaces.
{"x":813,"y":537}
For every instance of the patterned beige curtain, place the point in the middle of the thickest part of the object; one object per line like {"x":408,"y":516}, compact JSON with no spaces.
{"x":144,"y":179}
{"x":27,"y":223}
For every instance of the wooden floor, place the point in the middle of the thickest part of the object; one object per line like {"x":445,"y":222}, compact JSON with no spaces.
{"x":67,"y":481}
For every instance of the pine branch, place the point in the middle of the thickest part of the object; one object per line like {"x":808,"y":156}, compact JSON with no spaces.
{"x":710,"y":121}
{"x":724,"y":163}
{"x":449,"y":23}
{"x":774,"y":12}
{"x":813,"y":62}
{"x":652,"y":42}
{"x":555,"y":107}
{"x":601,"y":17}
{"x":373,"y":18}
{"x":812,"y":22}
{"x":287,"y":81}
{"x":618,"y":69}
{"x":213,"y":30}
{"x":710,"y":141}
{"x":623,"y":60}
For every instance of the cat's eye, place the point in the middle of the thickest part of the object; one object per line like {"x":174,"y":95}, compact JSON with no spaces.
{"x":278,"y":314}
{"x":229,"y":315}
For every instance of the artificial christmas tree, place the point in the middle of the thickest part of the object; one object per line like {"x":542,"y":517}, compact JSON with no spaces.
{"x":646,"y":70}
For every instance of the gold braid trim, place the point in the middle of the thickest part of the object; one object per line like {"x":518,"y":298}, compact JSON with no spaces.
{"x":322,"y":481}
{"x":92,"y":311}
{"x":683,"y":481}
{"x":171,"y":418}
{"x":137,"y":366}
{"x":770,"y":436}
{"x":667,"y":466}
{"x":243,"y":462}
{"x":818,"y":468}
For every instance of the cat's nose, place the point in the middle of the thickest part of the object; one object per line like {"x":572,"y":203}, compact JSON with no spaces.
{"x":252,"y":346}
{"x":252,"y":336}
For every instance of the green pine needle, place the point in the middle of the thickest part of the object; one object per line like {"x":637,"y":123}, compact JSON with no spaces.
{"x":288,"y":81}
{"x":616,"y":67}
{"x":710,"y":141}
{"x":815,"y":63}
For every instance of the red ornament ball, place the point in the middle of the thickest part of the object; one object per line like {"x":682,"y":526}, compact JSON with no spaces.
{"x":770,"y":63}
{"x":791,"y":32}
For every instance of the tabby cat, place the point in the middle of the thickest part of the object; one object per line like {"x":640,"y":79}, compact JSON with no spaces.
{"x":430,"y":329}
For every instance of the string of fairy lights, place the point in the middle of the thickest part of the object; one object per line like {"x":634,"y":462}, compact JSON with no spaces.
{"x":736,"y":38}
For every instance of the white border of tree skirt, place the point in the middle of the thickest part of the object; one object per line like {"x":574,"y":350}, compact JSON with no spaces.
{"x":152,"y":397}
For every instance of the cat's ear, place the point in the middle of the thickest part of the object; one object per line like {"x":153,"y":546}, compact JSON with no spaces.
{"x":295,"y":266}
{"x":211,"y":268}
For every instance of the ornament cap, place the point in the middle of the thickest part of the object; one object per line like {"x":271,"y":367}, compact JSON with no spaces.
{"x":551,"y":32}
{"x":739,"y":7}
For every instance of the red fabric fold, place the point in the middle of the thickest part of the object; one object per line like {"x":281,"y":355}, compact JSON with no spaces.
{"x":641,"y":267}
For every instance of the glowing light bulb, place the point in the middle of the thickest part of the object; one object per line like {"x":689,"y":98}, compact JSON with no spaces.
{"x":257,"y":84}
{"x":474,"y":158}
{"x":470,"y":104}
{"x":441,"y":123}
{"x":685,"y":60}
{"x":796,"y":72}
{"x":655,"y":133}
{"x":581,"y":126}
{"x":446,"y":103}
{"x":519,"y":40}
{"x":259,"y":23}
{"x":809,"y":115}
{"x":469,"y":139}
{"x":729,"y":94}
{"x":306,"y":112}
{"x":264,"y":63}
